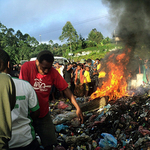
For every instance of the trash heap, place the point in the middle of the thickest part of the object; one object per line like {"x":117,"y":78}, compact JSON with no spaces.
{"x":123,"y":124}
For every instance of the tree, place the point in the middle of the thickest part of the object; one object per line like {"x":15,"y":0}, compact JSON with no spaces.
{"x":83,"y":42}
{"x":69,"y":34}
{"x":51,"y":42}
{"x":95,"y":36}
{"x":106,"y":40}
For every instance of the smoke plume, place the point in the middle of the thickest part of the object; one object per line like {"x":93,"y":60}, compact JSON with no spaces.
{"x":133,"y":17}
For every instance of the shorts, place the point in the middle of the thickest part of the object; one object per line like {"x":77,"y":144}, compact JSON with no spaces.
{"x":45,"y":129}
{"x":86,"y":86}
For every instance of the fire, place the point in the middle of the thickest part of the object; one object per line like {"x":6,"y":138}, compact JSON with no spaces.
{"x":115,"y":86}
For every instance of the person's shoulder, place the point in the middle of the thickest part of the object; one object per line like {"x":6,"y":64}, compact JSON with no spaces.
{"x":20,"y":81}
{"x":86,"y":72}
{"x":28,"y":64}
{"x":53,"y":70}
{"x":5,"y":78}
{"x":4,"y":75}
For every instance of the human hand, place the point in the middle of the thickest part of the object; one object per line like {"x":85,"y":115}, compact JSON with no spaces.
{"x":80,"y":115}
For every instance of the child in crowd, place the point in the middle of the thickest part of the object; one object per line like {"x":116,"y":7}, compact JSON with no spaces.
{"x":87,"y":79}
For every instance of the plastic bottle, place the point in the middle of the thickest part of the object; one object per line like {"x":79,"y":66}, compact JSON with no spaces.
{"x":138,"y":142}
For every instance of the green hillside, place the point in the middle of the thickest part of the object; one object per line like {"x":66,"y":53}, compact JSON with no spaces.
{"x":95,"y":52}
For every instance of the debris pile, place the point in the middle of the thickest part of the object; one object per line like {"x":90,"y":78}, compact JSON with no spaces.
{"x":123,"y":124}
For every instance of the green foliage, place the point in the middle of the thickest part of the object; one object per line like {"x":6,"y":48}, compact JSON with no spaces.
{"x":17,"y":45}
{"x":22,"y":46}
{"x":91,"y":43}
{"x":95,"y":36}
{"x":106,"y":40}
{"x":69,"y":34}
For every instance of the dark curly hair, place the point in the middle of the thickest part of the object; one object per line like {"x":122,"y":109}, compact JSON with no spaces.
{"x":4,"y":58}
{"x":45,"y":55}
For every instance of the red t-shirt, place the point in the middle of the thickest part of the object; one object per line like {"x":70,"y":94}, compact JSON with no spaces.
{"x":42,"y":83}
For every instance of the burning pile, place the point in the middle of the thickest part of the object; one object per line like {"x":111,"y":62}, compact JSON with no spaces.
{"x":131,"y":18}
{"x":115,"y":84}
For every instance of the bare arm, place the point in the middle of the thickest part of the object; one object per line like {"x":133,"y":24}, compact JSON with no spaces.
{"x":69,"y":94}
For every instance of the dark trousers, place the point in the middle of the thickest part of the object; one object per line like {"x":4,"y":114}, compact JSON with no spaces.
{"x":34,"y":145}
{"x":45,"y":129}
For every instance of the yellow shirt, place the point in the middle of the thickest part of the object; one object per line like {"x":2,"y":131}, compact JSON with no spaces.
{"x":58,"y":70}
{"x":87,"y":75}
{"x":101,"y":73}
{"x":98,"y":66}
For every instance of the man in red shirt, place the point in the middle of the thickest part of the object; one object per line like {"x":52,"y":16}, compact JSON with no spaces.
{"x":41,"y":75}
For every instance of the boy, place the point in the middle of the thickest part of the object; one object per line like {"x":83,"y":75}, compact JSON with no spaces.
{"x":87,"y":79}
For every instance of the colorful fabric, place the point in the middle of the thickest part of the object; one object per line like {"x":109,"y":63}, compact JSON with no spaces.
{"x":42,"y":84}
{"x":81,"y":76}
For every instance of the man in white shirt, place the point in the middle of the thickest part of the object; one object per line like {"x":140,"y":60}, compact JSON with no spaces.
{"x":26,"y":108}
{"x":23,"y":134}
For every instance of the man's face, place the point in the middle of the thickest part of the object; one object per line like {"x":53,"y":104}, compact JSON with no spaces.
{"x":97,"y":61}
{"x":78,"y":67}
{"x":44,"y":67}
{"x":89,"y":64}
{"x":74,"y":65}
{"x":87,"y":69}
{"x":70,"y":66}
{"x":57,"y":65}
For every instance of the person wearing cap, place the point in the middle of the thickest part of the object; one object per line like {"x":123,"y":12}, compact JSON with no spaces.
{"x":82,"y":62}
{"x":41,"y":75}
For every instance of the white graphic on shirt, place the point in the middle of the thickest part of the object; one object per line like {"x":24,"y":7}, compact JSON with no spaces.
{"x":39,"y":85}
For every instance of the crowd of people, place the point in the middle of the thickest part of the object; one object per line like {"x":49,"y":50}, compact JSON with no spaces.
{"x":82,"y":77}
{"x":25,"y":99}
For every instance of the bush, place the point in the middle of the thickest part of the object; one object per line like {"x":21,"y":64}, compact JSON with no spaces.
{"x":91,"y":44}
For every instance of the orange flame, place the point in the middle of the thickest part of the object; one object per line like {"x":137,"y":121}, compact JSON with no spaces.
{"x":115,"y":86}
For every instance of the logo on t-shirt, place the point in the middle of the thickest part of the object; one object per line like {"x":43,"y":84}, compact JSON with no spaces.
{"x":39,"y":85}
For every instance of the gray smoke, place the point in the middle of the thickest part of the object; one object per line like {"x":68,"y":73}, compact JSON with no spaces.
{"x":133,"y":18}
{"x":133,"y":27}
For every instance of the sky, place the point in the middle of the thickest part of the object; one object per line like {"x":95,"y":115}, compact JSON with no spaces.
{"x":44,"y":19}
